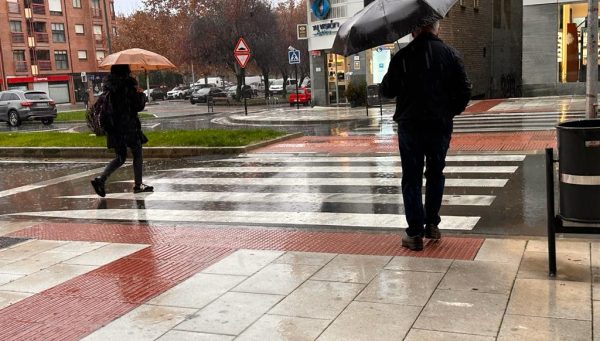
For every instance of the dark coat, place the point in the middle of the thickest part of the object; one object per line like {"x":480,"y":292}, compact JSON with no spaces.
{"x":126,"y":103}
{"x":429,"y":80}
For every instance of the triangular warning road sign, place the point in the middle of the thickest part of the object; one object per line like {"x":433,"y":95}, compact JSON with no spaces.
{"x":242,"y":59}
{"x":241,"y":47}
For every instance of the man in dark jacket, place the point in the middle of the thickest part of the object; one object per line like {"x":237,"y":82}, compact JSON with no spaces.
{"x":429,"y":81}
{"x":127,"y":100}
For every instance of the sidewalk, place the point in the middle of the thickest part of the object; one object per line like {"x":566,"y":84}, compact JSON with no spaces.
{"x":137,"y":282}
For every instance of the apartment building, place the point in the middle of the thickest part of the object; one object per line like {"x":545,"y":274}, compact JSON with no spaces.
{"x":54,"y":45}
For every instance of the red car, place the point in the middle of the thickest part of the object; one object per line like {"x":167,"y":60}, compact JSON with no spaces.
{"x":304,"y":97}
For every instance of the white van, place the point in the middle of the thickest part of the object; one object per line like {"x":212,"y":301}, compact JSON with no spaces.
{"x":276,"y":87}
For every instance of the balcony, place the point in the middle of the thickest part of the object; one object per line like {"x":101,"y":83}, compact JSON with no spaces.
{"x":96,"y":13}
{"x":44,"y":65}
{"x":41,"y":37}
{"x":39,"y":9}
{"x":17,"y":37}
{"x":21,"y":67}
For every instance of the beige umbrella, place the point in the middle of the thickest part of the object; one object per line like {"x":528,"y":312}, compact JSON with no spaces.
{"x":138,"y":60}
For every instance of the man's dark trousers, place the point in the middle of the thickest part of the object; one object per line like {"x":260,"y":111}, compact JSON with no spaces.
{"x":415,"y":147}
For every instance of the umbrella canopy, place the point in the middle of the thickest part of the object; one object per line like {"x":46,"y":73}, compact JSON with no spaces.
{"x":386,"y":21}
{"x":138,"y":60}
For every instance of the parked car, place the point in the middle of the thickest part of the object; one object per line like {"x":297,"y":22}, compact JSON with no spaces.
{"x":17,"y":106}
{"x":178,"y":92}
{"x":276,"y":87}
{"x":304,"y":97}
{"x":201,"y":95}
{"x":155,"y":94}
{"x":231,"y":91}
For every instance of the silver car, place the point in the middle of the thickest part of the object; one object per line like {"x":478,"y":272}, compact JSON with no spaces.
{"x":17,"y":106}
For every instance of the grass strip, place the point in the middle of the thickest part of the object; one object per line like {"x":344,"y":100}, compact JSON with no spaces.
{"x":79,"y":115}
{"x":172,"y":138}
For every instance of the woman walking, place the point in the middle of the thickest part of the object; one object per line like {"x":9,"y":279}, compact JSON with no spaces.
{"x":127,"y":100}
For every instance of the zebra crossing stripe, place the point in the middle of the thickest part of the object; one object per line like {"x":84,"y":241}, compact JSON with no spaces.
{"x":291,"y":219}
{"x":449,"y":158}
{"x":313,"y":198}
{"x":373,"y":182}
{"x":343,"y":169}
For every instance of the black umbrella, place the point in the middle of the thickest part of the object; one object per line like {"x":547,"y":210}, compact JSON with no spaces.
{"x":386,"y":21}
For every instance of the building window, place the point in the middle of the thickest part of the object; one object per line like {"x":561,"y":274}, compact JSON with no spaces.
{"x":15,"y":26}
{"x":61,"y":60}
{"x":58,"y":33}
{"x":82,"y":55}
{"x":76,"y":3}
{"x":13,"y":6}
{"x":79,"y":29}
{"x":100,"y":55}
{"x":20,"y":63}
{"x":55,"y":7}
{"x":43,"y":60}
{"x":115,"y":32}
{"x":98,"y":34}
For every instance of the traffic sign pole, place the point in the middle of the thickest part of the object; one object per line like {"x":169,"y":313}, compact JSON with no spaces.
{"x":297,"y":99}
{"x":242,"y":56}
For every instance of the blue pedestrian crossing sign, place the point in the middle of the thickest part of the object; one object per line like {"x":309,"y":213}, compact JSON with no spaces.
{"x":294,"y":56}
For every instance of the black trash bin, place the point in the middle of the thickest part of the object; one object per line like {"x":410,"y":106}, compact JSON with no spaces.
{"x":373,"y":95}
{"x":579,"y":170}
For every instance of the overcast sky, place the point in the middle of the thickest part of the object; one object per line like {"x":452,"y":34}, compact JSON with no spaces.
{"x":127,"y":6}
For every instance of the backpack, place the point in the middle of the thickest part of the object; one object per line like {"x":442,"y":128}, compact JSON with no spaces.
{"x":100,"y":116}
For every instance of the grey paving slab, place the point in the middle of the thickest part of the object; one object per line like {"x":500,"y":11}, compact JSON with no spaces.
{"x":501,"y":250}
{"x":230,"y":314}
{"x":596,"y":320}
{"x":305,"y":258}
{"x":401,"y":287}
{"x":550,"y":298}
{"x":569,"y":266}
{"x":565,"y":246}
{"x":318,"y":299}
{"x":516,"y":327}
{"x":197,"y":291}
{"x":180,"y":335}
{"x":352,"y":268}
{"x":463,"y":312}
{"x":284,"y":328}
{"x":431,"y":335}
{"x":418,"y":264}
{"x":243,"y":262}
{"x":279,"y":279}
{"x":371,"y":322}
{"x":481,"y":276}
{"x":595,"y":261}
{"x":143,"y":323}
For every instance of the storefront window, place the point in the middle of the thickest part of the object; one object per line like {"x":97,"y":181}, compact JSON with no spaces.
{"x":572,"y":43}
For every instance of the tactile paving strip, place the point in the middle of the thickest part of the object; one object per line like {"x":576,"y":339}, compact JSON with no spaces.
{"x":71,"y":310}
{"x":500,"y":141}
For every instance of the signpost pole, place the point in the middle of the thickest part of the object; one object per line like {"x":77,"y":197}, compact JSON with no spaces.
{"x":297,"y":99}
{"x":244,"y":90}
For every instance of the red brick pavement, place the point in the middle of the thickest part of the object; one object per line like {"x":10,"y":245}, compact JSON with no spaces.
{"x":77,"y":307}
{"x":480,"y":142}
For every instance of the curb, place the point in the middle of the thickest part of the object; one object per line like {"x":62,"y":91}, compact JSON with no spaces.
{"x":149,"y":152}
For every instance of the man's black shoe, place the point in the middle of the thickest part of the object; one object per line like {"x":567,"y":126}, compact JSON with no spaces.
{"x":413,"y":243}
{"x":143,"y":188}
{"x":98,"y":185}
{"x":432,"y":232}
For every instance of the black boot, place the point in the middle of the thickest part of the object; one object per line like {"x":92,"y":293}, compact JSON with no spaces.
{"x":143,"y":188}
{"x":98,"y":184}
{"x":414,"y":243}
{"x":432,"y":232}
